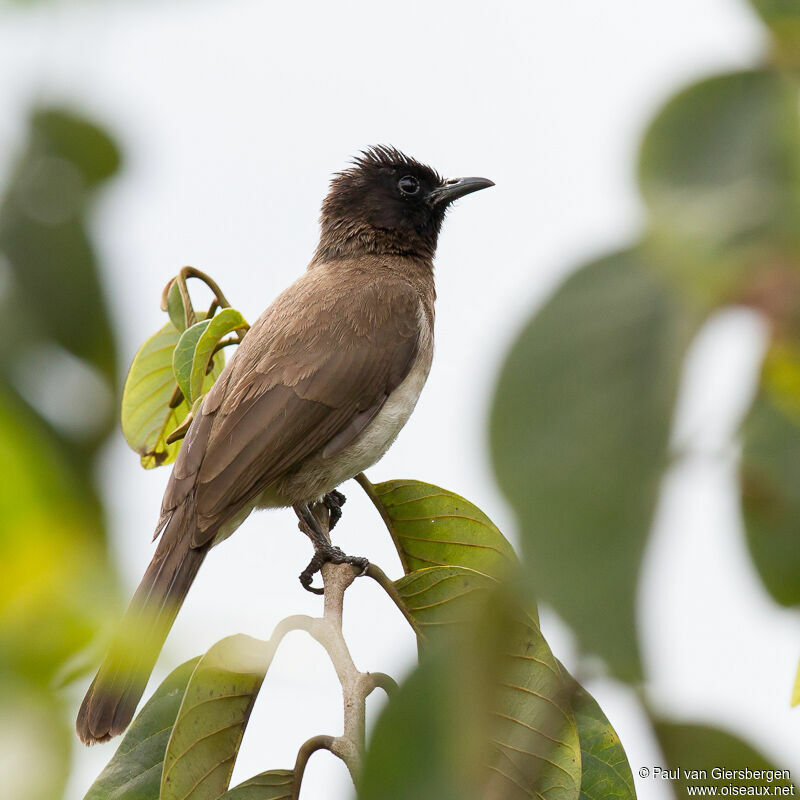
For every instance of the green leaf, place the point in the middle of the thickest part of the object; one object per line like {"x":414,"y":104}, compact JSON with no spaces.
{"x":605,"y":771}
{"x":701,"y":747}
{"x":443,"y":596}
{"x":196,"y":346}
{"x":54,"y":288}
{"x":183,"y":356}
{"x":134,"y":772}
{"x":579,"y":434}
{"x":532,"y":741}
{"x":433,"y":527}
{"x":277,"y":784}
{"x":770,"y":465}
{"x":175,"y":307}
{"x":147,"y":419}
{"x":486,"y":712}
{"x":720,"y":165}
{"x":225,"y":322}
{"x":536,"y":745}
{"x":424,"y":744}
{"x":214,"y":712}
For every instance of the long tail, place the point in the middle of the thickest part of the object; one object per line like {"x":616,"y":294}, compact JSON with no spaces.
{"x":115,"y":692}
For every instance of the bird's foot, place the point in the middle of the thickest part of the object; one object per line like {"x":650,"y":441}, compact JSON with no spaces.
{"x":334,"y":501}
{"x":329,"y":554}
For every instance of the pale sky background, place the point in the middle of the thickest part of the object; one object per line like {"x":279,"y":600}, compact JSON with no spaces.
{"x":232,"y":117}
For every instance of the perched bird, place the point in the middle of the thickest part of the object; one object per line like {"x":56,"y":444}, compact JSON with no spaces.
{"x":316,"y":392}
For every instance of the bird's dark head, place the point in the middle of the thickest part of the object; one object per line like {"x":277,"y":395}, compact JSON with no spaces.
{"x":388,"y":203}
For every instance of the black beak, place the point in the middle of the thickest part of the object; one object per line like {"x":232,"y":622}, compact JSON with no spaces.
{"x":453,"y":188}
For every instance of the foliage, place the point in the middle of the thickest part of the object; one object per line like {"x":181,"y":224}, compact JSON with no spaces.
{"x":580,"y":426}
{"x":483,"y":658}
{"x":580,"y":437}
{"x":56,"y":583}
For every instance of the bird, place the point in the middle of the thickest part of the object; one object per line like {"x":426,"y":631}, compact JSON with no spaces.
{"x":315,"y":393}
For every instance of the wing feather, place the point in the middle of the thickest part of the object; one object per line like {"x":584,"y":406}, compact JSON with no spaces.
{"x":307,"y":379}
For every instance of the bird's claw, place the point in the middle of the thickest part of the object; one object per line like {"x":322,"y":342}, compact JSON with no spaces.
{"x":329,"y":554}
{"x":334,"y":501}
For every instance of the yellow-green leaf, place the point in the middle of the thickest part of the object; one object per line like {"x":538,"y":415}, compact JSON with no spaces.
{"x":175,"y":307}
{"x":225,"y":322}
{"x":431,"y":526}
{"x":605,"y":771}
{"x":134,"y":772}
{"x":277,"y":784}
{"x":183,"y":356}
{"x":147,"y":419}
{"x":485,"y":714}
{"x":214,"y":712}
{"x":443,"y":596}
{"x":783,"y":19}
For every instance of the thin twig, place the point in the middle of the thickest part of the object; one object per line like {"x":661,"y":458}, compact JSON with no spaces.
{"x":308,"y":748}
{"x":193,"y":272}
{"x":387,"y":584}
{"x":381,"y":680}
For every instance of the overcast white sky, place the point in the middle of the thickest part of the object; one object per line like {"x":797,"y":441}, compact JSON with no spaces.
{"x":232,"y":117}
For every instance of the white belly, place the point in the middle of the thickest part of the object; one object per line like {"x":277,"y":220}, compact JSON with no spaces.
{"x":378,"y":436}
{"x":319,"y":475}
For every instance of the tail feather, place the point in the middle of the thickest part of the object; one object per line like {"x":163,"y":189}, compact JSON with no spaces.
{"x":110,"y":702}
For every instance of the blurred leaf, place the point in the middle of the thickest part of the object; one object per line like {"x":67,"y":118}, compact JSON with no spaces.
{"x":214,"y":712}
{"x":77,"y":140}
{"x":770,"y":465}
{"x":484,"y":715}
{"x":579,"y":434}
{"x":421,"y":747}
{"x":134,"y":772}
{"x":56,"y":588}
{"x":720,"y":166}
{"x":796,"y":689}
{"x":273,"y":785}
{"x":605,"y":771}
{"x":57,"y":370}
{"x":147,"y":419}
{"x":783,"y":19}
{"x":225,"y":322}
{"x":43,"y":222}
{"x":433,"y":527}
{"x":701,"y":747}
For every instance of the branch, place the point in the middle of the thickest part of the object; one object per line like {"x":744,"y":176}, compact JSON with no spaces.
{"x":356,"y":685}
{"x":387,"y":584}
{"x":306,"y":751}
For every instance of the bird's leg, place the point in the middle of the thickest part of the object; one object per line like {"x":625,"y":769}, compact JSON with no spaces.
{"x":324,"y":551}
{"x":334,"y":501}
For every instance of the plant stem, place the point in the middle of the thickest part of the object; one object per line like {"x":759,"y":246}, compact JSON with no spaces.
{"x":386,"y":583}
{"x":306,"y":751}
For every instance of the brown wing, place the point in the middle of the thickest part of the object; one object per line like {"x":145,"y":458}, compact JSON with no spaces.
{"x":308,"y":377}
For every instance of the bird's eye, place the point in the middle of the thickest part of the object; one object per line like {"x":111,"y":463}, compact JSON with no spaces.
{"x":408,"y":184}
